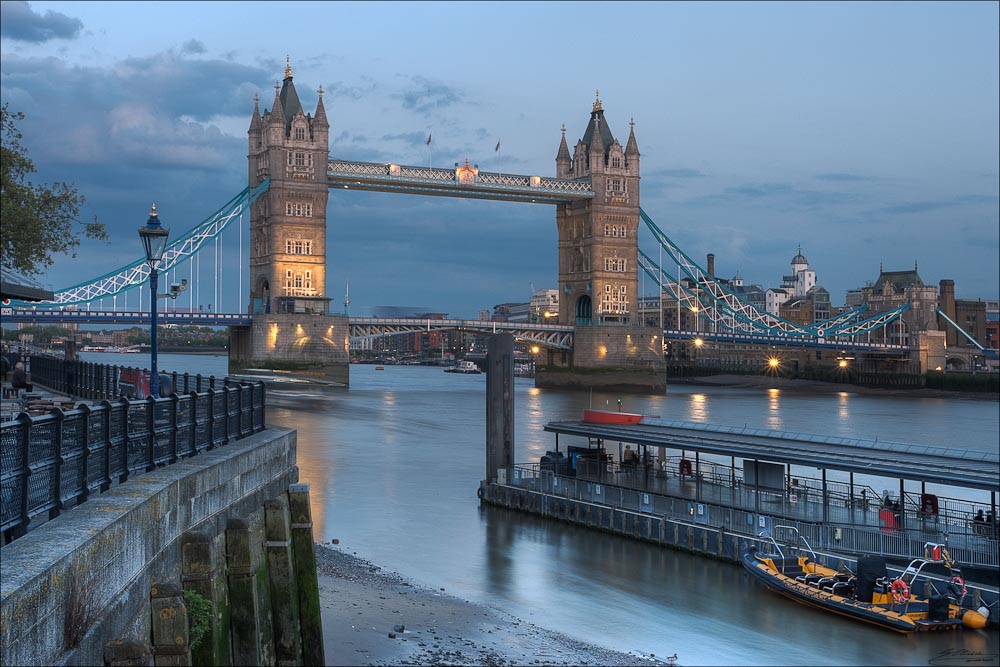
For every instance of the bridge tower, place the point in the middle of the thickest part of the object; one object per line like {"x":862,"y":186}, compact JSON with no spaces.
{"x":598,"y":251}
{"x":292,"y":328}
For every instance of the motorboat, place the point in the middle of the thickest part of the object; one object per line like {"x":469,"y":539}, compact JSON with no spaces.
{"x":911,"y":602}
{"x":464,"y":366}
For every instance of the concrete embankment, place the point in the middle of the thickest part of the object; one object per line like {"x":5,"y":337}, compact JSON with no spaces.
{"x":93,"y":584}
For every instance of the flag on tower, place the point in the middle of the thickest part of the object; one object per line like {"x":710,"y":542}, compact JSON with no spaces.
{"x":428,"y":142}
{"x":497,"y":149}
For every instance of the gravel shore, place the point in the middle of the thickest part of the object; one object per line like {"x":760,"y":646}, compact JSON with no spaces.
{"x":375,"y":617}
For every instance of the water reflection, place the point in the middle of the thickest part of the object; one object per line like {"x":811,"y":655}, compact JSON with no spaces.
{"x":698,"y":410}
{"x":774,"y":420}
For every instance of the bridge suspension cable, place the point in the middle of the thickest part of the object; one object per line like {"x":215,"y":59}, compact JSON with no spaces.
{"x":184,"y":248}
{"x":728,"y":309}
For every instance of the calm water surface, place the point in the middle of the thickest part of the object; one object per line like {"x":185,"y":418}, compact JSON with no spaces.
{"x":394,"y":463}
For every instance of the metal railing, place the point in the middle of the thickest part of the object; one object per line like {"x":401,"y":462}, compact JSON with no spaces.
{"x":844,"y":537}
{"x":51,"y":462}
{"x":94,"y":381}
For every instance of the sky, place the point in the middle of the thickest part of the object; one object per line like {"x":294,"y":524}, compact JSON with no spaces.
{"x":865,"y":132}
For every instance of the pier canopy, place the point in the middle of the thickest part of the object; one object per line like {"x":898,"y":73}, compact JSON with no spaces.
{"x":922,"y":463}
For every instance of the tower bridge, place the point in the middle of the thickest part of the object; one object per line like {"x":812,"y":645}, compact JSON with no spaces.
{"x":595,"y":192}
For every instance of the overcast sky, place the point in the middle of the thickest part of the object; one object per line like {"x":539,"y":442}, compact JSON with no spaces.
{"x":866,"y":132}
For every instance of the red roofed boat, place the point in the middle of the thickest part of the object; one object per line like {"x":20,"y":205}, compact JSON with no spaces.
{"x":608,"y":417}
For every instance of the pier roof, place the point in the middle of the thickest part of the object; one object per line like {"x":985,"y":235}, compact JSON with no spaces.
{"x":924,"y":463}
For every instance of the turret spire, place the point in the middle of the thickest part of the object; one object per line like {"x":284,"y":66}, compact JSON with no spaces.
{"x":631,"y":147}
{"x":597,"y":101}
{"x":288,"y":67}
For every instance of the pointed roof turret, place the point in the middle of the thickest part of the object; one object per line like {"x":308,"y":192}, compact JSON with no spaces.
{"x":290,"y":104}
{"x":596,"y":143}
{"x":597,"y":122}
{"x":255,"y":121}
{"x":799,"y":258}
{"x":632,"y":148}
{"x":320,"y":118}
{"x":277,"y":115}
{"x":563,"y":153}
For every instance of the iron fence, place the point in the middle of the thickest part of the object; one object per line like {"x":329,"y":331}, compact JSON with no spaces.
{"x":845,"y":537}
{"x":51,"y":462}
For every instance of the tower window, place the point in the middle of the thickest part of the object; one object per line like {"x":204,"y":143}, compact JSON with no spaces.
{"x":300,"y":133}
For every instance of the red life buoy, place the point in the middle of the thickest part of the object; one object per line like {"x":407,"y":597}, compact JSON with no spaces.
{"x":900,"y":591}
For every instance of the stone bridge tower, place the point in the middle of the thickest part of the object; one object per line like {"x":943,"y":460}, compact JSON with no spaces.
{"x":597,"y":238}
{"x":598,"y":260}
{"x":292,"y":329}
{"x":288,"y":223}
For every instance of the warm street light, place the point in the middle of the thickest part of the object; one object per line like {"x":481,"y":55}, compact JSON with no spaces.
{"x":154,"y":241}
{"x":773,"y":362}
{"x":842,"y":363}
{"x":534,"y":349}
{"x":698,"y":342}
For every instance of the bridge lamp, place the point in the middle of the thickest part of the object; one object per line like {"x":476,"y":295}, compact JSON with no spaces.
{"x":698,"y":342}
{"x":534,"y":349}
{"x":842,"y":363}
{"x":773,"y":362}
{"x":154,"y":242}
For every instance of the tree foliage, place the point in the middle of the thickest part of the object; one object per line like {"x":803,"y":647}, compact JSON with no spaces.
{"x":38,"y":221}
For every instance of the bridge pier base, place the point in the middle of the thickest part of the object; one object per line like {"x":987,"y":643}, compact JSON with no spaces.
{"x":614,"y":358}
{"x":307,"y":345}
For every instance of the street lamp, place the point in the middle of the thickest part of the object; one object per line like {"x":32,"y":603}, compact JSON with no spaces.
{"x":154,"y":241}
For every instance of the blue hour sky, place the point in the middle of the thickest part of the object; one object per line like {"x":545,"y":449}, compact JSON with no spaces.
{"x":866,"y":132}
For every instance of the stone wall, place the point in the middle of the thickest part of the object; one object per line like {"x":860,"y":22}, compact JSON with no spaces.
{"x":309,"y":345}
{"x":85,"y":578}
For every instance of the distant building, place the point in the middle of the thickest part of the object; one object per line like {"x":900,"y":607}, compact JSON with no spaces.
{"x":511,"y":312}
{"x":752,"y":294}
{"x":992,"y":341}
{"x":544,"y":306}
{"x":894,"y":288}
{"x":794,"y":286}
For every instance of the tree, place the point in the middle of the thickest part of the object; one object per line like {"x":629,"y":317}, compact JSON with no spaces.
{"x":39,"y":221}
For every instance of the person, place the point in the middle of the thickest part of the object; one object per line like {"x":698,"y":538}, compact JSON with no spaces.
{"x":19,"y":379}
{"x":979,"y":523}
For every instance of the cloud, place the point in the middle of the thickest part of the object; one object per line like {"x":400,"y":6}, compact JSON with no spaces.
{"x":23,"y":24}
{"x":777,"y":196}
{"x":424,"y":96}
{"x":678,"y":173}
{"x":193,"y":46}
{"x":842,"y":177}
{"x":926,"y":206}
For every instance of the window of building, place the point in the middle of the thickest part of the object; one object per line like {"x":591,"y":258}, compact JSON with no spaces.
{"x":300,"y":133}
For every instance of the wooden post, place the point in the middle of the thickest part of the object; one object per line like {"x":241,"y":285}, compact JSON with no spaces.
{"x":242,"y":594}
{"x":169,"y":626}
{"x":132,"y":653}
{"x":201,"y":573}
{"x":284,"y":600}
{"x":306,"y":579}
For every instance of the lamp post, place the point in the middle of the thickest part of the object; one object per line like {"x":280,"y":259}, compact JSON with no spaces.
{"x":154,"y":241}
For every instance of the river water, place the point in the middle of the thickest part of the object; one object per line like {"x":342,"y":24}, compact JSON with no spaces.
{"x":395,"y":460}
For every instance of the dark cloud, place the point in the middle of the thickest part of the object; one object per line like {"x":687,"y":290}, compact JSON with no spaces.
{"x":340,"y":90}
{"x":934,"y":205}
{"x":778,"y":196}
{"x":678,"y":173}
{"x":841,"y":177}
{"x":424,"y":96}
{"x":20,"y":22}
{"x":193,"y":46}
{"x":144,"y":112}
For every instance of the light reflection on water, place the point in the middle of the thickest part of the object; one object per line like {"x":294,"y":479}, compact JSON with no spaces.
{"x":394,"y":462}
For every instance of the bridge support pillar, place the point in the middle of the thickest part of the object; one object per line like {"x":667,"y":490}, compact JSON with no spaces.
{"x":301,"y":344}
{"x":614,"y":358}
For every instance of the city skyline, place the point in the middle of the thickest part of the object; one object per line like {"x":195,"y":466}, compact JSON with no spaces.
{"x":865,"y":133}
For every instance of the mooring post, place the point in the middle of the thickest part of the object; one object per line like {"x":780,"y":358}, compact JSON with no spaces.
{"x":499,"y":407}
{"x":169,"y":626}
{"x":201,"y":573}
{"x":306,"y":579}
{"x":284,"y":600}
{"x":243,"y":600}
{"x":130,"y":653}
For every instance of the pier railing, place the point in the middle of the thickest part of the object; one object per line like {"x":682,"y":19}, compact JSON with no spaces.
{"x":745,"y":510}
{"x":51,"y":462}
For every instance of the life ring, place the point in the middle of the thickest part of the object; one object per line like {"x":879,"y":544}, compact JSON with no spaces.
{"x":900,"y":591}
{"x":957,"y":587}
